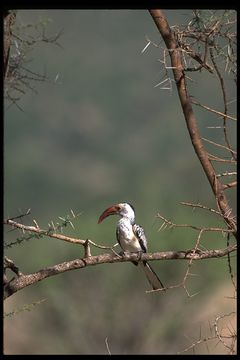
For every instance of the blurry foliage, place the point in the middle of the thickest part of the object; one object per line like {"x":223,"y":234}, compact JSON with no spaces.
{"x":27,"y":307}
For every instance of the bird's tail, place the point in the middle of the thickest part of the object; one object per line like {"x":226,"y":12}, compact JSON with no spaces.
{"x":152,"y":277}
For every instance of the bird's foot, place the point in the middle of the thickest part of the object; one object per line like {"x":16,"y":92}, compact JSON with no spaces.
{"x":122,"y":253}
{"x":139,"y":255}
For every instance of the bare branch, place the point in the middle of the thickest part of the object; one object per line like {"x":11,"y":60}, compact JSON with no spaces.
{"x":198,"y":342}
{"x":49,"y":233}
{"x":225,"y":102}
{"x":229,"y":266}
{"x":18,"y":77}
{"x":9,"y":264}
{"x":220,"y":336}
{"x":230,"y":336}
{"x":219,"y":145}
{"x":218,"y":159}
{"x":202,"y":207}
{"x":171,"y":224}
{"x":41,"y":232}
{"x":9,"y":20}
{"x":25,"y":280}
{"x":197,"y":58}
{"x":212,"y":110}
{"x":230,"y":185}
{"x":196,"y":248}
{"x":178,"y":71}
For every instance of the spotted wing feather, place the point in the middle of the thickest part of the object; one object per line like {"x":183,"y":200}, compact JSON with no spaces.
{"x":139,"y":233}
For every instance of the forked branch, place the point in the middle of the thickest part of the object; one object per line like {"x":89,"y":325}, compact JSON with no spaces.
{"x":178,"y":70}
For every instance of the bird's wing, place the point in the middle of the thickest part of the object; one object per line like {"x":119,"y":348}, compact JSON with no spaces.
{"x":139,"y":233}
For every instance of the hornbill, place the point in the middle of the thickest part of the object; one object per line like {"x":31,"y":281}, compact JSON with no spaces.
{"x":131,"y":238}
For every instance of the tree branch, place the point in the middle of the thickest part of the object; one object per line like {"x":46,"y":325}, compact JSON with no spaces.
{"x":50,"y":233}
{"x":178,"y":71}
{"x":214,"y":111}
{"x":230,"y":185}
{"x":9,"y":19}
{"x":225,"y":103}
{"x":23,"y":281}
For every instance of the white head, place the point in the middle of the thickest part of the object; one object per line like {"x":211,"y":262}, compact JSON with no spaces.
{"x":123,"y":209}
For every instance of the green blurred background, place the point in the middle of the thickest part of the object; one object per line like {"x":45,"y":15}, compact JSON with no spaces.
{"x":98,"y":135}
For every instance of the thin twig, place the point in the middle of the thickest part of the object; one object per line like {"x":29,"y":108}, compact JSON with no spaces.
{"x":190,"y":264}
{"x":225,"y":102}
{"x":212,"y":110}
{"x":171,"y":224}
{"x":107,"y":346}
{"x":219,"y":336}
{"x":229,"y":185}
{"x":219,"y":145}
{"x":229,"y":264}
{"x":218,"y":159}
{"x":202,"y":207}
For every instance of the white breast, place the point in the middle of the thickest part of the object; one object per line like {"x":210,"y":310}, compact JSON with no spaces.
{"x":125,"y":236}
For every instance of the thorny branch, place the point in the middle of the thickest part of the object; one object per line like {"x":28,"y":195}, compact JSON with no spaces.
{"x":9,"y":20}
{"x":230,"y":266}
{"x":225,"y":103}
{"x":199,"y":42}
{"x":178,"y":50}
{"x":196,"y":249}
{"x":18,"y":77}
{"x":222,"y":337}
{"x":50,"y":233}
{"x":23,"y":280}
{"x":169,"y":224}
{"x":15,"y":284}
{"x":176,"y":43}
{"x":226,"y":336}
{"x":213,"y":110}
{"x":201,"y":207}
{"x":218,"y":145}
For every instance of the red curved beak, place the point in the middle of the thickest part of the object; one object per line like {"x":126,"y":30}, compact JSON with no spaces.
{"x":113,"y":210}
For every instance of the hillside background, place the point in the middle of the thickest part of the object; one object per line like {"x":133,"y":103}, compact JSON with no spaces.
{"x":98,"y":133}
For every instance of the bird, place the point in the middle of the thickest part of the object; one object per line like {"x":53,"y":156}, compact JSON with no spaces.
{"x":131,"y":238}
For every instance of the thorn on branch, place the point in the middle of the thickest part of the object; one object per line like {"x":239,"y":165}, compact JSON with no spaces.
{"x":219,"y":333}
{"x":227,"y":174}
{"x":169,"y":224}
{"x":202,"y":207}
{"x":21,"y":215}
{"x":213,"y":110}
{"x":36,"y":224}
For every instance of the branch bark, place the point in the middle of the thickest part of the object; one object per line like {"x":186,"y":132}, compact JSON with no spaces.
{"x":179,"y":76}
{"x":23,"y":281}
